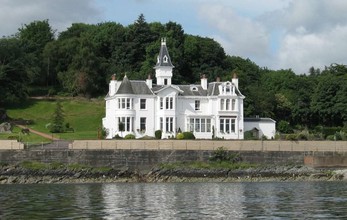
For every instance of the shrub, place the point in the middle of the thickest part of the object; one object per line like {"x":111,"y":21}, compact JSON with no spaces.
{"x":117,"y":137}
{"x":104,"y":132}
{"x":129,"y":136}
{"x":291,"y":137}
{"x":222,"y":155}
{"x":264,"y":137}
{"x":303,"y":137}
{"x":330,"y":137}
{"x":284,"y":127}
{"x":180,"y":136}
{"x":188,"y":135}
{"x":248,"y":135}
{"x":158,"y":134}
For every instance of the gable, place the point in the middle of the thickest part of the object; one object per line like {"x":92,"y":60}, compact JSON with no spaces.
{"x":167,"y":90}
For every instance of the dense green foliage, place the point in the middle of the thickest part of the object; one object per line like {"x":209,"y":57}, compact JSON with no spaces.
{"x":80,"y":61}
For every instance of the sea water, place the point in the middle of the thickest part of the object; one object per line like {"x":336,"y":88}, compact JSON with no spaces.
{"x":253,"y":200}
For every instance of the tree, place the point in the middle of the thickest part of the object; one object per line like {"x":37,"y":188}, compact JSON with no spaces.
{"x":58,"y":119}
{"x":33,"y":39}
{"x":13,"y":78}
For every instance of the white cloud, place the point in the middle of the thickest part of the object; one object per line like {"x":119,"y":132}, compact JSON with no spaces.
{"x":239,"y":35}
{"x":60,"y":13}
{"x":284,"y":34}
{"x":301,"y":51}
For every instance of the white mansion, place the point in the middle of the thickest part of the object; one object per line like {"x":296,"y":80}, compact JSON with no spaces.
{"x":208,"y":110}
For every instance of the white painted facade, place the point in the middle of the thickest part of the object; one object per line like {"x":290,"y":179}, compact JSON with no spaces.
{"x":265,"y":126}
{"x":209,"y":110}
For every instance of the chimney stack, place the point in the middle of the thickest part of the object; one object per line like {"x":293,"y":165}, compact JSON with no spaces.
{"x":112,"y":85}
{"x":204,"y":82}
{"x":149,"y":81}
{"x":235,"y":80}
{"x":218,"y":79}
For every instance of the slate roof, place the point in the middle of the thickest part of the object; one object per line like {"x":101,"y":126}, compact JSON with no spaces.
{"x":162,"y":53}
{"x":136,"y":87}
{"x":259,"y":120}
{"x":131,"y":87}
{"x":125,"y":87}
{"x":140,"y":88}
{"x":188,"y":91}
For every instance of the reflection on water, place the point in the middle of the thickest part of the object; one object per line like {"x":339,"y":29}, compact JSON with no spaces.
{"x":300,"y":200}
{"x":193,"y":200}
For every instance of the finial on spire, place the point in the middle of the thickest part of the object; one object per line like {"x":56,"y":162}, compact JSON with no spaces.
{"x":163,"y":41}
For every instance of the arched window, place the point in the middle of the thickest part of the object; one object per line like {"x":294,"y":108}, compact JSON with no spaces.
{"x":165,"y":59}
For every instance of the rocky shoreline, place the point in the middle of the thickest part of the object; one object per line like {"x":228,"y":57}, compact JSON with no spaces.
{"x":19,"y":175}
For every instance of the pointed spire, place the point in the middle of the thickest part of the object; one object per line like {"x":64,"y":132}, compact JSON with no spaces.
{"x":163,"y":58}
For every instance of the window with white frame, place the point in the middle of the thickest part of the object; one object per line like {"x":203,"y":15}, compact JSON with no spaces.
{"x":227,"y":104}
{"x":125,"y":123}
{"x":169,"y":102}
{"x":161,"y":123}
{"x":227,"y":88}
{"x":227,"y":125}
{"x":161,"y":103}
{"x":165,"y":59}
{"x":199,"y":124}
{"x":124,"y":103}
{"x":142,"y":124}
{"x":197,"y":105}
{"x":233,"y":104}
{"x":221,"y":104}
{"x":142,"y":103}
{"x":169,"y":124}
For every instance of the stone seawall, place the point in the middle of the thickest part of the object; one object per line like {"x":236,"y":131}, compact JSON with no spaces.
{"x":140,"y":159}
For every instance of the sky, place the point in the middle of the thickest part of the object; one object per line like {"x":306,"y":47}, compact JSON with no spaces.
{"x":277,"y":34}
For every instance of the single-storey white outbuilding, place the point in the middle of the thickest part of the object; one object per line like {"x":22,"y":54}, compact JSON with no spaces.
{"x":261,"y":127}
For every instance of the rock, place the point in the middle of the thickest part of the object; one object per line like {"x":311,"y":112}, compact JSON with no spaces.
{"x":342,"y":174}
{"x":5,"y":127}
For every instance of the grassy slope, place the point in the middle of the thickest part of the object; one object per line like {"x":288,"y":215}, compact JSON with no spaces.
{"x":85,"y":116}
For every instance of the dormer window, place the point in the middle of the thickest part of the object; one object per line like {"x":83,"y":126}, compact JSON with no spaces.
{"x":194,"y":88}
{"x":226,"y":88}
{"x":165,"y":59}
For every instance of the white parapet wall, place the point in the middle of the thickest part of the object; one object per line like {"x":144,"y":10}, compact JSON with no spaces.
{"x":11,"y":145}
{"x":234,"y":145}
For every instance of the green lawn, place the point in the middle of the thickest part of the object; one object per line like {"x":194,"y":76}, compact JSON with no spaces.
{"x":84,"y":116}
{"x":17,"y":135}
